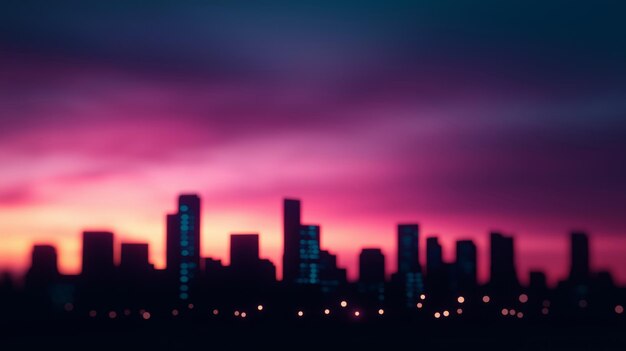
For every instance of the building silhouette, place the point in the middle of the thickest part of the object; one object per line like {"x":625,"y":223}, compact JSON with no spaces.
{"x":579,"y":257}
{"x":331,"y":276}
{"x":372,"y":273}
{"x":183,"y":244}
{"x":44,"y":262}
{"x":246,"y":266}
{"x":408,"y":281}
{"x":291,"y":240}
{"x":134,"y":258}
{"x":503,"y":275}
{"x":309,"y":255}
{"x":371,"y":266}
{"x":244,"y":250}
{"x":466,"y":265}
{"x":437,"y":271}
{"x":408,"y":248}
{"x":43,"y":271}
{"x":98,"y":255}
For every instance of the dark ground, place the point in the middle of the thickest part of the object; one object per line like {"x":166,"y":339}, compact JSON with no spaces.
{"x":249,"y":335}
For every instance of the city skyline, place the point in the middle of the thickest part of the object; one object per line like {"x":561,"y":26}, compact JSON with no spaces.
{"x":418,"y":247}
{"x":331,"y":174}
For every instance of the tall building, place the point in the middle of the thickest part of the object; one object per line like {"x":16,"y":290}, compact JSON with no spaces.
{"x":97,"y":254}
{"x":408,"y":278}
{"x":408,"y":248}
{"x":502,"y":268}
{"x":371,"y":266}
{"x":434,"y":257}
{"x":134,"y":258}
{"x":372,"y":274}
{"x":579,"y":256}
{"x":465,"y":265}
{"x":172,"y":246}
{"x":183,"y":244}
{"x":309,"y":255}
{"x":244,"y":250}
{"x":438,"y":280}
{"x":291,"y":240}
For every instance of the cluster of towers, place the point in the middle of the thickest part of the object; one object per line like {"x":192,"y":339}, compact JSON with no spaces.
{"x":309,"y":273}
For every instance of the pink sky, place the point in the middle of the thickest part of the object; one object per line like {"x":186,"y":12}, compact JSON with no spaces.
{"x":94,"y":146}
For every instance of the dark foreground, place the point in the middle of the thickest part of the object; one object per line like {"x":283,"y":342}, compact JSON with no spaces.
{"x":260,"y":335}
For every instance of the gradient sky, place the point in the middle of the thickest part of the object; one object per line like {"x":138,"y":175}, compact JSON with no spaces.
{"x":462,"y":117}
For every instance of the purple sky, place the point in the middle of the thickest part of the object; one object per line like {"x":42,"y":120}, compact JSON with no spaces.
{"x":464,"y":119}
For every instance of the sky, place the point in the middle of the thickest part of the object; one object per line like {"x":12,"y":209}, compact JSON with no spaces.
{"x":462,"y":116}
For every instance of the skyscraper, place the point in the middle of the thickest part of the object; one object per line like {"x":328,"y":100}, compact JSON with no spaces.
{"x":183,"y":244}
{"x":291,"y":240}
{"x":579,"y":257}
{"x":408,"y":279}
{"x":434,"y":257}
{"x":309,"y":255}
{"x":465,"y":265}
{"x":437,"y":272}
{"x":503,"y":274}
{"x":97,"y":254}
{"x":408,"y":248}
{"x":372,"y":274}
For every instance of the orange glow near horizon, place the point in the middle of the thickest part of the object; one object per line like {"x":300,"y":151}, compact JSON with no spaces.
{"x":143,"y":220}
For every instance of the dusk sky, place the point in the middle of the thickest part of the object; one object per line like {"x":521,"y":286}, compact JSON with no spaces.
{"x":459,"y":116}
